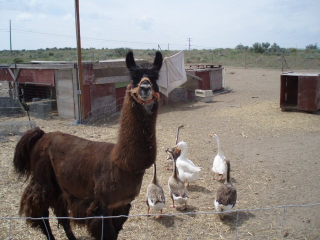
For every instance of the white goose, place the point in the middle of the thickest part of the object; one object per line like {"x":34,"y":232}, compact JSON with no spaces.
{"x":219,"y":165}
{"x":226,"y":196}
{"x":155,"y":194}
{"x":188,"y":171}
{"x":177,"y":189}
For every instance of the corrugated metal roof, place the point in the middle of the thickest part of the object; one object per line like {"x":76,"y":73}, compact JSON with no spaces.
{"x":301,"y":74}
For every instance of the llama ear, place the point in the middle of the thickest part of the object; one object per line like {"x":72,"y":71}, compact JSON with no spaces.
{"x":130,"y":61}
{"x":157,"y":64}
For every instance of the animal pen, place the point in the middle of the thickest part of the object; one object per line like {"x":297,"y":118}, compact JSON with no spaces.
{"x":251,"y":219}
{"x":51,"y":88}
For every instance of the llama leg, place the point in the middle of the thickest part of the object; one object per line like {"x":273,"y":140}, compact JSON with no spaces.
{"x":118,"y":222}
{"x":99,"y":227}
{"x":35,"y":205}
{"x":60,"y":210}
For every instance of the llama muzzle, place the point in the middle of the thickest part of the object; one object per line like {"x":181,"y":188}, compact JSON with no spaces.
{"x":144,"y":93}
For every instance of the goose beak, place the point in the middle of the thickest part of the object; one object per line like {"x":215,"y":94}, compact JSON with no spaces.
{"x":211,"y":134}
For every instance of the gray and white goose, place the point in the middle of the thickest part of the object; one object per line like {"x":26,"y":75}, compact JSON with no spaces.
{"x":226,"y":196}
{"x":170,"y":157}
{"x":155,"y":195}
{"x":177,"y":189}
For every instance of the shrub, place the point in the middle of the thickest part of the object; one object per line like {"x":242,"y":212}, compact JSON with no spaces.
{"x":241,"y":47}
{"x":17,"y":60}
{"x":257,"y":48}
{"x":311,"y":46}
{"x":121,"y":52}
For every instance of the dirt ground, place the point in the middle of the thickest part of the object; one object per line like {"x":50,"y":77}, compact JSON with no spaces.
{"x":274,"y":159}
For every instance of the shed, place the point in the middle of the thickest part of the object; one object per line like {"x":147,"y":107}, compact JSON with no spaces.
{"x":212,"y":76}
{"x":300,"y":91}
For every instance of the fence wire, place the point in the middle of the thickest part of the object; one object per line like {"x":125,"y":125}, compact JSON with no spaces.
{"x":190,"y":230}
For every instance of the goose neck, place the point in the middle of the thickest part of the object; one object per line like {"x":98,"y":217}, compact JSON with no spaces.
{"x":228,"y":172}
{"x":184,"y":152}
{"x":218,"y":145}
{"x":154,"y":179}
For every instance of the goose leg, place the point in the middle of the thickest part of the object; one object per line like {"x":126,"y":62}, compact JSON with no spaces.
{"x":173,"y":206}
{"x":185,"y":206}
{"x":158,"y":217}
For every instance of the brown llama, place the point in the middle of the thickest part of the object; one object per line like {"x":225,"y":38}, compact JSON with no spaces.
{"x":79,"y":178}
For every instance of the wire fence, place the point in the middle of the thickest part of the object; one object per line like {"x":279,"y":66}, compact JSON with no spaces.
{"x":41,"y":102}
{"x":258,"y":223}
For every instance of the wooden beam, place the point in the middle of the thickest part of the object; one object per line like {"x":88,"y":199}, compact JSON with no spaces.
{"x":80,"y":78}
{"x":14,"y":75}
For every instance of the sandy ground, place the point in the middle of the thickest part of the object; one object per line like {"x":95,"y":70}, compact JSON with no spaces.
{"x":274,"y":157}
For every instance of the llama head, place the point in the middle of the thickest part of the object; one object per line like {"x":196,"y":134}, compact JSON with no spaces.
{"x":144,"y":80}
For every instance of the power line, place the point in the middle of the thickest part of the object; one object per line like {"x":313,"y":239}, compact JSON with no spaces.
{"x":89,"y":38}
{"x":106,"y":40}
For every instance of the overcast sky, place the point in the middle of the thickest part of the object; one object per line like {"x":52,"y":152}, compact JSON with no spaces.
{"x":146,"y":24}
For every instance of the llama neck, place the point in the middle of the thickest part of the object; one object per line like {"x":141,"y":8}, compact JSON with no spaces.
{"x":136,"y":148}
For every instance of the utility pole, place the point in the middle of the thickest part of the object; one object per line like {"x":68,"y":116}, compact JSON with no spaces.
{"x":189,"y":39}
{"x":10,"y":36}
{"x":80,"y":91}
{"x":282,"y":57}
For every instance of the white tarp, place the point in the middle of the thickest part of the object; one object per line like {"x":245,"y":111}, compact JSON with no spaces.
{"x":172,"y":73}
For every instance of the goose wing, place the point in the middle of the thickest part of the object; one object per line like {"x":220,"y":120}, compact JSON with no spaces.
{"x":227,"y":195}
{"x":186,"y":167}
{"x":155,"y":194}
{"x":177,"y":188}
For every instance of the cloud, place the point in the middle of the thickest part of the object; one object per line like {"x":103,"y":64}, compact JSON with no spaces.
{"x":145,"y":23}
{"x":42,"y":15}
{"x":68,"y":17}
{"x":24,"y":17}
{"x":32,"y":3}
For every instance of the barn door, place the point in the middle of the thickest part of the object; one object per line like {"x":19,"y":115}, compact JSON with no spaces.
{"x":66,"y":97}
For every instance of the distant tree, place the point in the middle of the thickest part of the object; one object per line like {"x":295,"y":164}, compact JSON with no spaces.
{"x":274,"y":49}
{"x":121,"y":52}
{"x":257,"y":48}
{"x":311,"y":46}
{"x":265,"y":46}
{"x":51,"y":54}
{"x":17,"y":60}
{"x":242,"y":47}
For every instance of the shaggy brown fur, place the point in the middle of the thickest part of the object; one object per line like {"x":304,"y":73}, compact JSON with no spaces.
{"x":81,"y":178}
